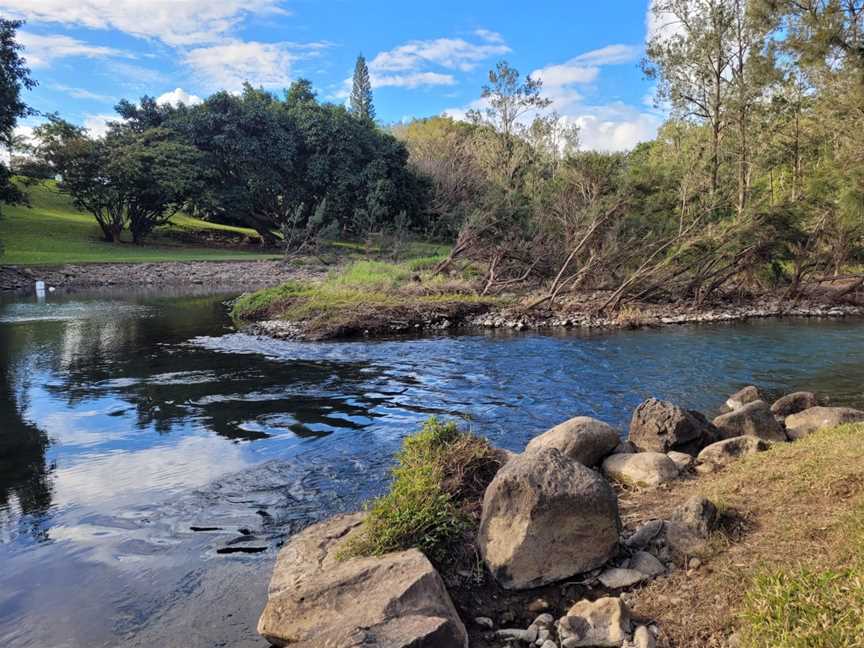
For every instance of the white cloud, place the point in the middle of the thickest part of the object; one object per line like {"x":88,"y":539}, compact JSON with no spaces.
{"x":97,"y":125}
{"x":451,"y":53}
{"x":178,"y":96}
{"x":230,"y":64}
{"x":41,"y":50}
{"x":489,"y":35}
{"x":565,"y":74}
{"x":614,"y":127}
{"x":660,"y":23}
{"x":175,"y":22}
{"x":610,"y":55}
{"x":411,"y":80}
{"x":81,"y":93}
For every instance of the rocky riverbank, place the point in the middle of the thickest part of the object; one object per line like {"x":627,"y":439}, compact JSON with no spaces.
{"x":574,"y":315}
{"x":572,"y":534}
{"x":240,"y":274}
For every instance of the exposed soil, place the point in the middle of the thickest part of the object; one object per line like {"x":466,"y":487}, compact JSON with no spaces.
{"x":242,"y":274}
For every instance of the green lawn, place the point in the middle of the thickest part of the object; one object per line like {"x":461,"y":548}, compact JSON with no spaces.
{"x":52,"y":231}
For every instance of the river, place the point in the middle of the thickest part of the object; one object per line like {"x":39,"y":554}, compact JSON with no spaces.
{"x":152,"y":458}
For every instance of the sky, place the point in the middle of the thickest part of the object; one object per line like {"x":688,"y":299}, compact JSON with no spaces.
{"x":425,"y":58}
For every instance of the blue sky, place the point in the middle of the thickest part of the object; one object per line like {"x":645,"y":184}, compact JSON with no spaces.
{"x":425,"y":58}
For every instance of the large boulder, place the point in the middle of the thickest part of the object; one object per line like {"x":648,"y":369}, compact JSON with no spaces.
{"x":583,"y":439}
{"x":742,"y":397}
{"x":722,"y":453}
{"x":817,"y":418}
{"x":546,"y":518}
{"x":793,"y":403}
{"x":397,"y":600}
{"x":661,"y":426}
{"x":641,"y":468}
{"x":753,"y":419}
{"x":604,"y":622}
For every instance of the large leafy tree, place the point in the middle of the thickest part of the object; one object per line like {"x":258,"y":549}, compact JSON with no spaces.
{"x":249,"y":147}
{"x":361,"y":91}
{"x":130,"y":178}
{"x":14,"y":78}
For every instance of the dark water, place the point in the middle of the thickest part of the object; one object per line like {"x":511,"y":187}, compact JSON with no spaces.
{"x":129,"y":421}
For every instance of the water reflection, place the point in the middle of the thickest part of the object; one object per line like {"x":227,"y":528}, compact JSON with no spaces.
{"x":141,"y":437}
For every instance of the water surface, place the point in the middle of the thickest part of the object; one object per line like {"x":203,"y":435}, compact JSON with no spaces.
{"x":152,"y":458}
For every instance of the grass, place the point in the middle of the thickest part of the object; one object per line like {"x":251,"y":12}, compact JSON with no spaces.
{"x":52,"y":232}
{"x":789,"y":572}
{"x":440,"y":475}
{"x":362,"y":296}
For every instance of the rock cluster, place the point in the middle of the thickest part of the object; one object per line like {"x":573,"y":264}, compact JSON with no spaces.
{"x":549,"y":514}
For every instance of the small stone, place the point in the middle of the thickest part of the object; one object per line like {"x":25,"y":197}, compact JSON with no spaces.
{"x":645,"y":534}
{"x":549,"y":644}
{"x":538,"y":605}
{"x":643,"y":469}
{"x":682,"y":460}
{"x":742,"y":397}
{"x":515,"y":633}
{"x":699,"y":514}
{"x":485,"y":622}
{"x":542,"y":635}
{"x":617,"y":578}
{"x":642,"y":638}
{"x":544,"y":621}
{"x":695,"y":563}
{"x":646,"y":563}
{"x":604,"y":622}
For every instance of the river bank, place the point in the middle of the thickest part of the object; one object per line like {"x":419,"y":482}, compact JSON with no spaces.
{"x":240,"y":274}
{"x":688,"y":533}
{"x":574,"y":314}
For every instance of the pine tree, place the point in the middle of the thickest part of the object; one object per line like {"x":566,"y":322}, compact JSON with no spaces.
{"x":361,"y":92}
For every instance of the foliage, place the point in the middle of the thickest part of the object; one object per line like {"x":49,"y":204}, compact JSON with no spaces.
{"x":437,"y":471}
{"x":14,"y":77}
{"x":135,"y":177}
{"x":361,"y":92}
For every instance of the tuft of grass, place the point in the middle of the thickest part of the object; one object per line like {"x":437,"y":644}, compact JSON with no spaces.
{"x":439,"y":478}
{"x":371,"y":275}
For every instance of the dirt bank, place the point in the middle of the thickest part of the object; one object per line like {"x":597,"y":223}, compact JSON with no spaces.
{"x":242,"y":274}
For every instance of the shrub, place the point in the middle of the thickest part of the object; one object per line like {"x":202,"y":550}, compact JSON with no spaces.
{"x":439,"y":479}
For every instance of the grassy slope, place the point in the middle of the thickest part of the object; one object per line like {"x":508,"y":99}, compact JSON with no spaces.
{"x":52,"y":231}
{"x":792,"y":573}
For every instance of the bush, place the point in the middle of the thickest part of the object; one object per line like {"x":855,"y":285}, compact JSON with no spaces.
{"x":439,"y":479}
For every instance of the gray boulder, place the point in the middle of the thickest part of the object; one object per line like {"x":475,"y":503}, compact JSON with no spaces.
{"x":753,"y":419}
{"x":583,"y":439}
{"x":793,"y":403}
{"x":722,"y":453}
{"x":604,"y":622}
{"x":819,"y":418}
{"x":699,"y":514}
{"x":396,"y":600}
{"x":742,"y":397}
{"x":546,"y":518}
{"x":640,"y":469}
{"x":661,"y":426}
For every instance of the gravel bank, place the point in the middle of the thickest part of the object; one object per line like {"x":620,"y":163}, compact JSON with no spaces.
{"x":242,"y":274}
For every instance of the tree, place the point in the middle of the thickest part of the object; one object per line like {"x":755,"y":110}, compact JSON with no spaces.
{"x":690,"y":58}
{"x":361,"y":92}
{"x":130,"y":178}
{"x":14,"y":77}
